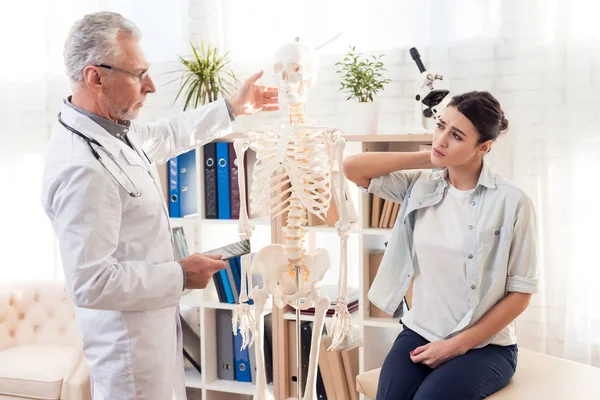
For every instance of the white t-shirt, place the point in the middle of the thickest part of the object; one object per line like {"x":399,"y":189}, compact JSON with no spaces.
{"x":440,"y":287}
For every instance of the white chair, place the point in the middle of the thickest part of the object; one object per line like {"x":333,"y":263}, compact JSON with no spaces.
{"x":40,"y":348}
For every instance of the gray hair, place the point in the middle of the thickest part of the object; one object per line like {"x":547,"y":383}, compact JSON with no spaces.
{"x":93,"y":40}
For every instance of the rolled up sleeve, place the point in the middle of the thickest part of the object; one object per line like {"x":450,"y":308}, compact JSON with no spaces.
{"x":522,"y":263}
{"x":393,"y":186}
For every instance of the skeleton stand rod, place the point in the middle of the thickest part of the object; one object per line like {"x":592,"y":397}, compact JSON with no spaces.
{"x":298,"y":342}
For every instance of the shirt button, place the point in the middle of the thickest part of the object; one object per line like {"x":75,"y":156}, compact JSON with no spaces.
{"x":118,"y":135}
{"x":473,"y":287}
{"x":470,"y":227}
{"x":496,"y":232}
{"x":470,"y":256}
{"x":472,"y":203}
{"x":420,"y":203}
{"x":125,"y":130}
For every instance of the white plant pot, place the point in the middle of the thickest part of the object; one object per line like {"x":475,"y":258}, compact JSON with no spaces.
{"x":363,"y":119}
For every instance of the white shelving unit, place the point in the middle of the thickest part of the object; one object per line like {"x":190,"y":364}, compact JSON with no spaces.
{"x":200,"y":306}
{"x":375,"y":335}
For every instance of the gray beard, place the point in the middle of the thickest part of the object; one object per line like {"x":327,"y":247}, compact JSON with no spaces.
{"x":126,"y":114}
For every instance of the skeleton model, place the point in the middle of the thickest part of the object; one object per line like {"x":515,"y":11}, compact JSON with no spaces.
{"x":298,"y":170}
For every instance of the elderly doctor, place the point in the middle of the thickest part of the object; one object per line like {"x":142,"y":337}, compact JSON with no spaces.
{"x":102,"y":194}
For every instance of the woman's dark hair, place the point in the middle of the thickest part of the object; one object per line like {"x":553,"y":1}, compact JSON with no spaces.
{"x":484,"y":112}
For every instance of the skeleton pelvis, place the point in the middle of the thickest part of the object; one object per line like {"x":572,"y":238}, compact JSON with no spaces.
{"x":273,"y":265}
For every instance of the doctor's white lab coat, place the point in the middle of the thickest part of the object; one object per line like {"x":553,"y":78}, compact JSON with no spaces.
{"x":117,"y":250}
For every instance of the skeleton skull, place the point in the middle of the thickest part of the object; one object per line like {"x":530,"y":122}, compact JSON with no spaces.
{"x":295,"y":66}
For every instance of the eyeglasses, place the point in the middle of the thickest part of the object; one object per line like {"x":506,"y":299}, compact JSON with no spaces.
{"x":141,"y":76}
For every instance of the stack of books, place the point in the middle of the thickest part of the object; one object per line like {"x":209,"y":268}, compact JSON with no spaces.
{"x":383,"y":212}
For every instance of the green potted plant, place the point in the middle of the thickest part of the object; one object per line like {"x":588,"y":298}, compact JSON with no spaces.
{"x":206,"y":76}
{"x":361,"y":79}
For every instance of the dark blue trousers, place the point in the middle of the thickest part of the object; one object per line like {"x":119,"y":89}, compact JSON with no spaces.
{"x":475,"y":375}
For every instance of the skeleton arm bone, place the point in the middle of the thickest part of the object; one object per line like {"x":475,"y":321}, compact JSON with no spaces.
{"x":242,"y":315}
{"x":341,"y":325}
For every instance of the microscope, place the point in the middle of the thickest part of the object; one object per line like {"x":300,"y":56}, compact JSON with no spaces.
{"x":430,"y":102}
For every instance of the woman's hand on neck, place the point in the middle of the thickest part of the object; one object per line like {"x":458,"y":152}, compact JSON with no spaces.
{"x":466,"y":176}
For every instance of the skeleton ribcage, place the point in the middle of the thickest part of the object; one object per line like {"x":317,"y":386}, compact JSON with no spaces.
{"x":305,"y":172}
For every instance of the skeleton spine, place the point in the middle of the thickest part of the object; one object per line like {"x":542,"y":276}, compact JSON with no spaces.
{"x":294,"y":232}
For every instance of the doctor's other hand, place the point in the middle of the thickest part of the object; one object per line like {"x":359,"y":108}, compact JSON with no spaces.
{"x":251,"y":98}
{"x":200,"y":268}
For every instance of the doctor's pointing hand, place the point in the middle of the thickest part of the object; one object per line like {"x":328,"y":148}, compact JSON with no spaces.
{"x":102,"y":194}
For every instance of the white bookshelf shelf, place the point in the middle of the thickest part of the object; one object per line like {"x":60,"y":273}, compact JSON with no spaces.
{"x":377,"y":231}
{"x":291,"y":316}
{"x":219,"y":306}
{"x":253,"y":221}
{"x":215,"y":305}
{"x":231,"y":387}
{"x":193,"y":299}
{"x":382,"y":322}
{"x":193,"y":378}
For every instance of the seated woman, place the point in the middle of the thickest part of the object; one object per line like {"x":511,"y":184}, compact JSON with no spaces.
{"x":466,"y":237}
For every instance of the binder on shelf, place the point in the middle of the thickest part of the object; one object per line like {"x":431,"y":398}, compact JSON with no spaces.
{"x":252,"y":357}
{"x":236,"y":268}
{"x":226,"y":286}
{"x":292,"y":358}
{"x":225,"y":360}
{"x":233,"y":183}
{"x":231,"y":282}
{"x":188,"y":201}
{"x":174,"y":204}
{"x":268,"y":342}
{"x":242,"y":360}
{"x":306,"y":338}
{"x":219,"y":288}
{"x":223,"y":191}
{"x":210,"y":181}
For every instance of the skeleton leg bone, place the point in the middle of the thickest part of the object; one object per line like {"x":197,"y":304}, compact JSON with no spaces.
{"x":321,"y":307}
{"x":242,"y":315}
{"x":260,"y":297}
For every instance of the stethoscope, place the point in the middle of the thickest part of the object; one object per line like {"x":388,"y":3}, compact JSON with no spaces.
{"x":136,"y":193}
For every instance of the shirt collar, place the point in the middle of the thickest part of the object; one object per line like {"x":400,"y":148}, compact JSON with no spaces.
{"x":118,"y":130}
{"x":486,"y":177}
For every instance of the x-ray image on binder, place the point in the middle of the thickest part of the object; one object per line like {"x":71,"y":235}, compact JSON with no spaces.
{"x":180,"y":244}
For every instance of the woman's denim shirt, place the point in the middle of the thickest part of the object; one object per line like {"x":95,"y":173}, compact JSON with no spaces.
{"x":500,"y":239}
